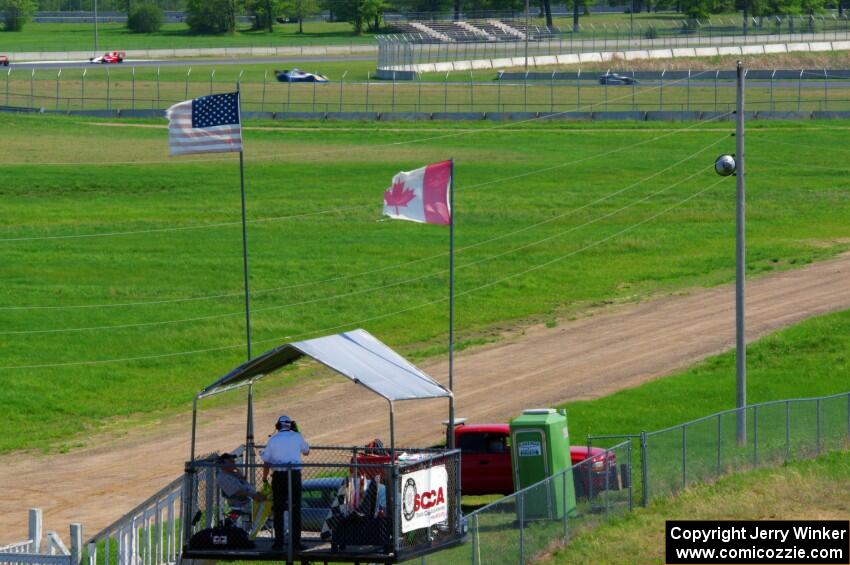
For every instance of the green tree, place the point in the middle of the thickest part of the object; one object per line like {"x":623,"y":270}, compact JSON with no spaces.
{"x":788,"y":8}
{"x":16,"y":13}
{"x":265,"y":12}
{"x":211,"y":16}
{"x":300,"y":9}
{"x":144,"y":18}
{"x":361,"y":13}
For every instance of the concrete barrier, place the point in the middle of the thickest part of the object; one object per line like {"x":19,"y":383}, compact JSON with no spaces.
{"x":457,"y":116}
{"x":300,"y":115}
{"x":355,"y":116}
{"x":443,"y":67}
{"x":517,"y":61}
{"x":775,"y":48}
{"x":717,"y":116}
{"x":568,"y":116}
{"x":590,"y":57}
{"x":258,"y":115}
{"x":427,"y":68}
{"x":461,"y":66}
{"x":798,"y":47}
{"x":752,"y":50}
{"x":510,"y":116}
{"x":666,"y":116}
{"x":633,"y":55}
{"x":502,"y":63}
{"x":661,"y":54}
{"x":481,"y":64}
{"x":544,"y":60}
{"x":705,"y":51}
{"x":568,"y":59}
{"x":823,"y":115}
{"x":684,"y":52}
{"x":820,"y":46}
{"x":402,"y":116}
{"x":605,"y":116}
{"x":729,"y":50}
{"x":841,"y":45}
{"x":784,"y":115}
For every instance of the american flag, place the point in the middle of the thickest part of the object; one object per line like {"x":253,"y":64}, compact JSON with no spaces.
{"x":209,"y":124}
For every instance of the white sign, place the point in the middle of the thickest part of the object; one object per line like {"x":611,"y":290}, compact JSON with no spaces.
{"x":424,"y":498}
{"x":529,"y":448}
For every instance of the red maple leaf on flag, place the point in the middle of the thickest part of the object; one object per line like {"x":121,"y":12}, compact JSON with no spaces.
{"x":398,"y":196}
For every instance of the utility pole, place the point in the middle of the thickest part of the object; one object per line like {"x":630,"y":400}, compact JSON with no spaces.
{"x":740,"y":270}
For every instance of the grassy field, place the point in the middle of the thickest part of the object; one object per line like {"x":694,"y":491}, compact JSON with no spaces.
{"x":122,"y":291}
{"x":802,"y":490}
{"x":148,"y":88}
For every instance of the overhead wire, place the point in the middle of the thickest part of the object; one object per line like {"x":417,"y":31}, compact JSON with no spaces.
{"x":467,"y":188}
{"x":374,"y":288}
{"x":373,"y":318}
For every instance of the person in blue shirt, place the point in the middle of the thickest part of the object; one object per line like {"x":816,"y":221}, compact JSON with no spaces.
{"x":282,"y":456}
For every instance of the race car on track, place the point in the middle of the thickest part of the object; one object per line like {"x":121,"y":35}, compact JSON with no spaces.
{"x":614,"y":78}
{"x":297,"y":75}
{"x":4,"y":61}
{"x":108,"y":58}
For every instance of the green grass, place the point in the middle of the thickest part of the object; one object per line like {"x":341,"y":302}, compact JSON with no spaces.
{"x":801,"y":490}
{"x":339,"y":267}
{"x":80,"y":37}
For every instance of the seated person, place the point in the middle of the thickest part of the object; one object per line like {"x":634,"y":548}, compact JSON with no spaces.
{"x":236,"y":489}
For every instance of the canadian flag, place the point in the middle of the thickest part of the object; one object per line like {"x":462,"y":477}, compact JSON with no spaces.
{"x":421,"y":195}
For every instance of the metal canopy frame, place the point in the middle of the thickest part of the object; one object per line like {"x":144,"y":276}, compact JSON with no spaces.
{"x":253,"y":370}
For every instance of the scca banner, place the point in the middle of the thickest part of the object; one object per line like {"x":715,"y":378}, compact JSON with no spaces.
{"x":423,"y":495}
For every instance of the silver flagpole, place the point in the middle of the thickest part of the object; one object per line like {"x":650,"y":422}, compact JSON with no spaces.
{"x":451,"y":435}
{"x":249,"y":427}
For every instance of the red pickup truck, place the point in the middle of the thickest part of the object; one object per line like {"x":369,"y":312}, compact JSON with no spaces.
{"x":486,"y":462}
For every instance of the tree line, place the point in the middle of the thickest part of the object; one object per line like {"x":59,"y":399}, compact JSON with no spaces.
{"x":220,"y":16}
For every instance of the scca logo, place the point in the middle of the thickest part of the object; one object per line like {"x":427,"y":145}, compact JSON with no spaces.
{"x":428,"y":499}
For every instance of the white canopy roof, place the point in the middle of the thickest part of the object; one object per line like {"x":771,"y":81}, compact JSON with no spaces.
{"x":357,"y":355}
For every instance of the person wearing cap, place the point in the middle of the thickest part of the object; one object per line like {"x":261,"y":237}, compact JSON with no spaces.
{"x":282,"y":455}
{"x":237,"y":490}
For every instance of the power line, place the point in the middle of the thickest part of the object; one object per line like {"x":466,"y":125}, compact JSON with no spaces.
{"x":405,"y":281}
{"x":468,"y":188}
{"x":382,"y":316}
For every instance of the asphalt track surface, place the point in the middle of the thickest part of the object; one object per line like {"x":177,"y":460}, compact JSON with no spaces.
{"x":615,"y":348}
{"x":282,"y":61}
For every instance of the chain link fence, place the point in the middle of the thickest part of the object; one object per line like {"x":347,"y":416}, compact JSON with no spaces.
{"x":697,"y":91}
{"x":406,"y":51}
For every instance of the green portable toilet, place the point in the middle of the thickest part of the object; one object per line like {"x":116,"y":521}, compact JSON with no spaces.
{"x":541,"y":449}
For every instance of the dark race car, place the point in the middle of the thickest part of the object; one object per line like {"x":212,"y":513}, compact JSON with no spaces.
{"x":614,"y":78}
{"x":4,"y":61}
{"x":297,"y":75}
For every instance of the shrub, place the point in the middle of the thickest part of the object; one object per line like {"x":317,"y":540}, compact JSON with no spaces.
{"x":16,"y":13}
{"x":145,"y":18}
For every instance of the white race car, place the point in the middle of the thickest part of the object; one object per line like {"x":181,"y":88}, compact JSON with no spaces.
{"x":297,"y":75}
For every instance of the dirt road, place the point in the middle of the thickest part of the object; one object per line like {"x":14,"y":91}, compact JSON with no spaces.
{"x":591,"y":357}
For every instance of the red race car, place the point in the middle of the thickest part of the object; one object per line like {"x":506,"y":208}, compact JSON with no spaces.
{"x":109,"y":58}
{"x":4,"y":61}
